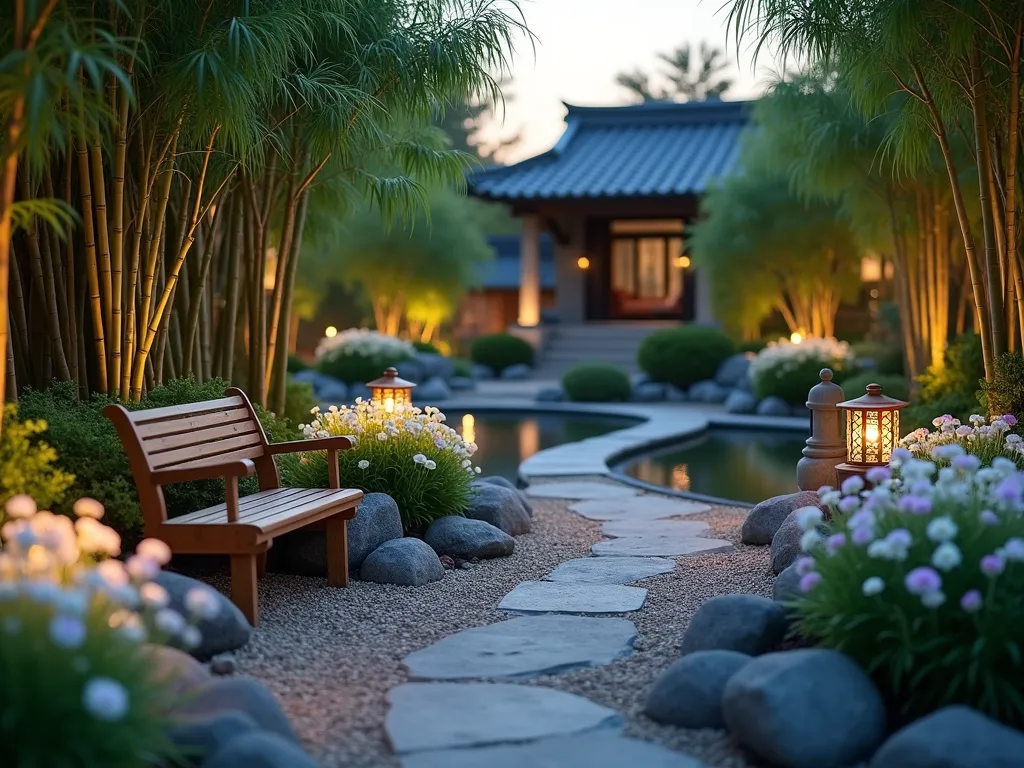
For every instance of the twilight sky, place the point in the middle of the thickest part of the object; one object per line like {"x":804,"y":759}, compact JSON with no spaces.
{"x":581,"y":46}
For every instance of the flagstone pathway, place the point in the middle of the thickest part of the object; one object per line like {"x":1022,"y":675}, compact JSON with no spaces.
{"x":441,"y":720}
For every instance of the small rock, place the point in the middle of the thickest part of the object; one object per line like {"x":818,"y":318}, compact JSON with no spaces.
{"x":674,"y":394}
{"x":765,"y":519}
{"x":786,"y":543}
{"x":432,"y":391}
{"x":516,"y":372}
{"x":952,"y":737}
{"x":501,"y":507}
{"x":407,"y":562}
{"x":744,"y":623}
{"x":201,"y":737}
{"x":689,"y":693}
{"x":745,"y":384}
{"x":787,"y":585}
{"x":359,"y":391}
{"x":238,"y":694}
{"x":259,"y":750}
{"x":435,"y":365}
{"x":462,"y":537}
{"x":504,"y":482}
{"x":466,"y":565}
{"x":740,"y":402}
{"x":773,"y":406}
{"x":228,"y":630}
{"x":708,"y":392}
{"x":180,"y":674}
{"x":806,"y":708}
{"x":411,"y":370}
{"x":335,"y":393}
{"x":554,"y":394}
{"x":223,"y":665}
{"x":447,"y":562}
{"x":461,"y":383}
{"x":734,"y":370}
{"x":482,"y":372}
{"x":325,"y":388}
{"x":648,"y":392}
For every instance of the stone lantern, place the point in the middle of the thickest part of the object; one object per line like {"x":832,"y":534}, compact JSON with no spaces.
{"x":826,"y":447}
{"x":390,"y":392}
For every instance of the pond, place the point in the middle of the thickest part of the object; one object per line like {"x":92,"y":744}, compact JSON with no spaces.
{"x":505,"y":439}
{"x":727,"y":463}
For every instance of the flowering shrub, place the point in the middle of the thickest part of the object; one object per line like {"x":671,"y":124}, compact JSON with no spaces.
{"x":358,"y":355}
{"x":787,"y":370}
{"x":411,"y":455}
{"x":28,"y":465}
{"x":920,"y":581}
{"x":78,"y":686}
{"x":984,"y":438}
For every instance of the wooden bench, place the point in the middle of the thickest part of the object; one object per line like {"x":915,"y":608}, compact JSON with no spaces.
{"x":224,"y":439}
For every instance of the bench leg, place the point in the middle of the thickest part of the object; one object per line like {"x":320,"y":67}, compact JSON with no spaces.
{"x":261,"y":565}
{"x":337,"y":551}
{"x":243,"y":586}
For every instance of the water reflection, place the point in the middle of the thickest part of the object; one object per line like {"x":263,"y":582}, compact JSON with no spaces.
{"x":745,"y":465}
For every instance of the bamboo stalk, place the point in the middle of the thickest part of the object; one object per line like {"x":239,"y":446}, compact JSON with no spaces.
{"x":281,"y":365}
{"x":277,"y":297}
{"x":195,"y":303}
{"x":117,"y":330}
{"x":229,"y":320}
{"x":70,"y":289}
{"x":1012,"y":157}
{"x":20,"y":319}
{"x":92,"y":266}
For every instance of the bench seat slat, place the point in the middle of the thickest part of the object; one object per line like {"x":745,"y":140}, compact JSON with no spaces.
{"x":156,"y":429}
{"x":252,"y":503}
{"x":254,"y":511}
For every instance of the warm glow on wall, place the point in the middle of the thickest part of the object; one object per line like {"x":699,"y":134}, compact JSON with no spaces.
{"x":330,"y":331}
{"x":469,"y":428}
{"x":583,"y":262}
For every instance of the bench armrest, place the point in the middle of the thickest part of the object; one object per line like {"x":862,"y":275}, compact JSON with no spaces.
{"x":212,"y":471}
{"x":332,"y":443}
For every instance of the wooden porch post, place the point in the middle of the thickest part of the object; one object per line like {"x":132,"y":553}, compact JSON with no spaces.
{"x":529,"y":272}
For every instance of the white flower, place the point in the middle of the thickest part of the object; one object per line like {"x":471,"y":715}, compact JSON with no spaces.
{"x":154,"y":595}
{"x":363,"y":464}
{"x":477,"y":470}
{"x":809,"y":540}
{"x":881,"y":549}
{"x":808,"y":517}
{"x":105,"y":699}
{"x":142,"y":568}
{"x":941,"y":529}
{"x":191,"y":637}
{"x":872,"y":586}
{"x":430,"y":464}
{"x":1013,"y":550}
{"x":94,"y":538}
{"x":88,"y":508}
{"x":202,"y":603}
{"x":169,"y":622}
{"x":419,"y":458}
{"x":382,"y":436}
{"x":112,"y":573}
{"x":933,"y":599}
{"x":67,"y":631}
{"x":946,"y":556}
{"x":155,"y":550}
{"x":852,"y":485}
{"x":20,"y":506}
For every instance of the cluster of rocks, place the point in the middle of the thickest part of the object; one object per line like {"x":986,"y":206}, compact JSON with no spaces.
{"x":807,"y":707}
{"x":516,"y":372}
{"x":731,"y":387}
{"x":379,"y":551}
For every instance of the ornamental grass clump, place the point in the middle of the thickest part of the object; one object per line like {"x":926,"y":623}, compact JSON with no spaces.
{"x":920,"y":581}
{"x":358,"y":355}
{"x":787,"y":370}
{"x":79,"y":685}
{"x":409,"y":454}
{"x":985,"y":438}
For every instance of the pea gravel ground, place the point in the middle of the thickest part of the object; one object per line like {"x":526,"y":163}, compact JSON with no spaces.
{"x":330,"y":655}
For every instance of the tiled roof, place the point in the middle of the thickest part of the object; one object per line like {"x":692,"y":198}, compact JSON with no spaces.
{"x":503,"y":272}
{"x":648,"y":150}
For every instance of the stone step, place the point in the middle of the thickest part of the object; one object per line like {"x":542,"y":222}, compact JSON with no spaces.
{"x":532,"y":597}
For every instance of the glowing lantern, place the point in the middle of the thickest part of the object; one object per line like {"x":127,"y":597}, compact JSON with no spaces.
{"x":390,"y":392}
{"x":330,"y":331}
{"x":872,"y":430}
{"x":583,"y":262}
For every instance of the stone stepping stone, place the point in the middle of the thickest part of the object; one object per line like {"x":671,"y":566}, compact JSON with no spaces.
{"x":610,"y":570}
{"x":600,"y":749}
{"x":555,"y":597}
{"x":637,"y":508}
{"x":432,"y":716}
{"x":652,"y":546}
{"x":525,"y":647}
{"x":580,"y":490}
{"x":659,"y":528}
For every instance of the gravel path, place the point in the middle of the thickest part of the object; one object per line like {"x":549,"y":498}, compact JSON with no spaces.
{"x":330,"y":655}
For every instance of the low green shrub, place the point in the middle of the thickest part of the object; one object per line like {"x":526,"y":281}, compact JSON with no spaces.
{"x":788,"y":370}
{"x":892,"y":386}
{"x":299,"y":401}
{"x":923,"y":414}
{"x":920,"y":585}
{"x":888,"y":357}
{"x":754,"y":346}
{"x":357,"y":356}
{"x":28,"y":464}
{"x":411,"y":455}
{"x":684,"y":355}
{"x":499,"y":351}
{"x":296,"y":364}
{"x":961,"y":374}
{"x":596,"y":383}
{"x":462,"y":367}
{"x":1005,"y":393}
{"x":426,"y":346}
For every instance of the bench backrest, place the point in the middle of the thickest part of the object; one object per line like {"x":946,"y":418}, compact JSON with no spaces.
{"x":181,"y":436}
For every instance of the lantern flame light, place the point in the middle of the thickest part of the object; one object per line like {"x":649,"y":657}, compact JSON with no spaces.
{"x":390,"y":392}
{"x":872,"y":431}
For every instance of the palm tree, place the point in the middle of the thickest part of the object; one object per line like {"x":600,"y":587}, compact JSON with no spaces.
{"x":689,"y":77}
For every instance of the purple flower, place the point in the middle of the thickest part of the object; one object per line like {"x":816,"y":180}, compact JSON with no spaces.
{"x":835,"y":541}
{"x":971,"y":601}
{"x":862,"y":535}
{"x":1009,"y":490}
{"x":809,"y":581}
{"x":966,"y":463}
{"x":901,"y":455}
{"x":923,"y":580}
{"x":915,"y":505}
{"x":988,"y":517}
{"x":804,"y":565}
{"x":921,"y":487}
{"x":992,"y":565}
{"x":878,"y":475}
{"x":1010,"y":419}
{"x":848,"y":504}
{"x":900,"y":538}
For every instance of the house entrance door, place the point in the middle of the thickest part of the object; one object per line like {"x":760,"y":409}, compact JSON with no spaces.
{"x":648,"y":270}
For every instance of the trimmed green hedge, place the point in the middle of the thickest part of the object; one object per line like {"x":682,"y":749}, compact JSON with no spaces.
{"x":499,"y":351}
{"x":684,"y":355}
{"x":596,"y":383}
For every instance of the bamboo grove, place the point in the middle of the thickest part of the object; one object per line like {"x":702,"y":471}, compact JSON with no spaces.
{"x":937,"y":88}
{"x":161,"y":158}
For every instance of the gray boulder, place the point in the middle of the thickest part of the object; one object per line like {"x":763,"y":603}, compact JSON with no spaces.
{"x":786,"y":543}
{"x":334,"y":393}
{"x":550,"y":395}
{"x":228,"y":630}
{"x":708,"y":392}
{"x":786,"y":586}
{"x":435,"y":365}
{"x":324,"y":387}
{"x":259,"y":750}
{"x":740,"y":402}
{"x":765,"y":519}
{"x":432,"y":391}
{"x":461,"y":383}
{"x":178,"y":673}
{"x":648,"y":392}
{"x":237,"y":694}
{"x":359,"y":391}
{"x":733,"y":371}
{"x":745,"y":623}
{"x":516,"y":372}
{"x":952,"y":737}
{"x":465,"y":538}
{"x":202,"y":737}
{"x":808,"y":708}
{"x":407,"y":562}
{"x":501,"y":507}
{"x":504,"y":482}
{"x":773,"y":406}
{"x":411,"y":370}
{"x":689,"y":693}
{"x":482,"y":372}
{"x":674,"y":394}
